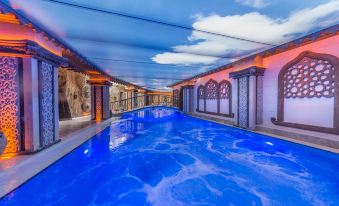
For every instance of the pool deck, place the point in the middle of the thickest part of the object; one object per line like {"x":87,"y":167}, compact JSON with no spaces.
{"x":69,"y":126}
{"x":17,"y":170}
{"x":323,"y":141}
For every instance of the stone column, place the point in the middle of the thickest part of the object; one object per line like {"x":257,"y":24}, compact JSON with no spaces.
{"x":56,"y":103}
{"x":245,"y":96}
{"x":41,"y":111}
{"x":146,"y":99}
{"x":31,"y":104}
{"x":188,"y":98}
{"x":10,"y":104}
{"x":31,"y":93}
{"x":235,"y":101}
{"x":100,"y":100}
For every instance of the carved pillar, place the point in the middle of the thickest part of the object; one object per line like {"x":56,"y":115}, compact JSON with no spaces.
{"x":100,"y":100}
{"x":56,"y":102}
{"x":10,"y":124}
{"x":246,"y":93}
{"x":235,"y":100}
{"x":30,"y":94}
{"x":40,"y":91}
{"x":188,"y":98}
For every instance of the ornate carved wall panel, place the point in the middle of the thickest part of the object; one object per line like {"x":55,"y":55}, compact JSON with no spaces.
{"x":201,"y":92}
{"x":225,"y":89}
{"x":259,"y":99}
{"x":9,"y":104}
{"x":213,"y":92}
{"x":211,"y":89}
{"x":310,"y":76}
{"x":243,"y":110}
{"x":46,"y":104}
{"x":98,"y":102}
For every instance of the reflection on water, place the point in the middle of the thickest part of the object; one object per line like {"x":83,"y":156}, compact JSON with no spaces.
{"x":157,"y":156}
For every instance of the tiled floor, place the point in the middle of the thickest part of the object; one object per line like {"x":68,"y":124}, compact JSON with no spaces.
{"x":68,"y":126}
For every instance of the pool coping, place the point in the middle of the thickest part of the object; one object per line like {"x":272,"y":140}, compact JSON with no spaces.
{"x":30,"y":165}
{"x":305,"y":143}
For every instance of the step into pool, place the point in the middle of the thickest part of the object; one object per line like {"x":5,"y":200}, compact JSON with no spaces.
{"x":159,"y":156}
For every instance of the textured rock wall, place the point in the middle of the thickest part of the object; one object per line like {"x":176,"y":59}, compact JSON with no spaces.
{"x":115,"y":90}
{"x":74,"y":94}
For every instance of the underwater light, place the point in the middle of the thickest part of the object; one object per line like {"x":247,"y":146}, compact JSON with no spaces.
{"x":86,"y":151}
{"x":269,"y":143}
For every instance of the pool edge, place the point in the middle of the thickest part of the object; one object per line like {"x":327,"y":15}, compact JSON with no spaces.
{"x":281,"y":137}
{"x":15,"y":176}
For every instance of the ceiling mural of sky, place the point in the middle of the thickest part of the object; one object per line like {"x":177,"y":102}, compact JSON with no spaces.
{"x":155,"y":55}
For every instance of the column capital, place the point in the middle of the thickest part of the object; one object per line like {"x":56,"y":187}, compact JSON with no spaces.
{"x":250,"y":71}
{"x":28,"y":48}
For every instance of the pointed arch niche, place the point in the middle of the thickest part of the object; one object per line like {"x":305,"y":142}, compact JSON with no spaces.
{"x":215,"y":98}
{"x":308,"y":93}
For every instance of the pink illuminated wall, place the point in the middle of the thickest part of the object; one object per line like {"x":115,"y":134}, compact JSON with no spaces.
{"x":319,"y":111}
{"x":314,"y":111}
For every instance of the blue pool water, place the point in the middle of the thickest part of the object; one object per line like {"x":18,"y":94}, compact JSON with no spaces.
{"x":158,"y":156}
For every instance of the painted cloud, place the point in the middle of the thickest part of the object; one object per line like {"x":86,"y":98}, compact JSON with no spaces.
{"x":255,"y":3}
{"x":253,"y":26}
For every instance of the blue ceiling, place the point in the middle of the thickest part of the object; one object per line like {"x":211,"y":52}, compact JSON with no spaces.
{"x":151,"y":43}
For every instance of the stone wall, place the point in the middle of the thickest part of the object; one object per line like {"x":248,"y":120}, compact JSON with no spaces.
{"x":74,"y":94}
{"x":115,"y":90}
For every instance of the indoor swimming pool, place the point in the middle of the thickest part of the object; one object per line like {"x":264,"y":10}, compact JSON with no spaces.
{"x":159,"y":156}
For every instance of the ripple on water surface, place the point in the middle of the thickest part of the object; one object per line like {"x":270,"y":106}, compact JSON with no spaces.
{"x":157,"y":156}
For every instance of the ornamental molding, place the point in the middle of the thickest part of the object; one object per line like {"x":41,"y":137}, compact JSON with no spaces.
{"x":188,"y":87}
{"x":250,"y":71}
{"x":100,"y":82}
{"x":30,"y":48}
{"x":10,"y":15}
{"x":308,"y":39}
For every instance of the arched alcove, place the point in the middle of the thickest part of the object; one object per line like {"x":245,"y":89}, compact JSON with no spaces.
{"x":211,"y":94}
{"x":201,"y":99}
{"x":308,"y":92}
{"x":215,"y":98}
{"x":225,"y":98}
